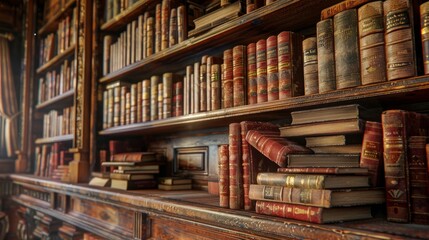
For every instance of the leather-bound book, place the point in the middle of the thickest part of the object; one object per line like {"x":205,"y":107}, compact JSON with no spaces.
{"x":165,"y":18}
{"x":325,"y":55}
{"x":177,"y":99}
{"x":235,"y":167}
{"x":347,"y":67}
{"x":160,"y":100}
{"x":107,"y":42}
{"x":182,"y":25}
{"x":158,"y":27}
{"x":424,"y":24}
{"x":252,"y":86}
{"x":325,"y":170}
{"x":371,"y":156}
{"x":273,"y":146}
{"x":116,"y":106}
{"x":227,"y":80}
{"x":203,"y":84}
{"x":272,"y":69}
{"x":133,"y":103}
{"x":311,"y":81}
{"x":173,"y":28}
{"x":150,"y":39}
{"x":339,"y":7}
{"x":223,"y":153}
{"x":239,"y":75}
{"x":289,"y":53}
{"x":250,"y":168}
{"x":133,"y":157}
{"x":371,"y":43}
{"x":251,"y":5}
{"x":261,"y":71}
{"x":167,"y":94}
{"x":215,"y":94}
{"x":145,"y":34}
{"x":123,"y":101}
{"x":139,"y":101}
{"x":188,"y":93}
{"x":154,"y":80}
{"x":211,"y":60}
{"x":399,"y":38}
{"x":146,"y":100}
{"x":312,"y":214}
{"x":105,"y":108}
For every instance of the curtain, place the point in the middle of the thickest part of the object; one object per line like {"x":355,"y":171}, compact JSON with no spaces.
{"x":8,"y":100}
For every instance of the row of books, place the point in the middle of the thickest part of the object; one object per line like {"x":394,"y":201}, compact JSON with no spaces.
{"x":52,"y":160}
{"x":56,"y":82}
{"x":150,"y":33}
{"x":45,"y":226}
{"x":115,"y":7}
{"x":59,"y":41}
{"x":57,"y":123}
{"x":53,"y":7}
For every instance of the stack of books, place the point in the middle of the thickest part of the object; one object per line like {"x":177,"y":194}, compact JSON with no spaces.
{"x":174,"y":183}
{"x":133,"y":170}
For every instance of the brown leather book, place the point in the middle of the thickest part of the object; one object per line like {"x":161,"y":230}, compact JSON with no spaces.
{"x":150,"y":36}
{"x":227,"y":80}
{"x":167,"y":94}
{"x":133,"y":157}
{"x":133,"y":103}
{"x":182,"y":29}
{"x":239,"y":75}
{"x":371,"y":156}
{"x":173,"y":28}
{"x":311,"y":81}
{"x":223,"y":153}
{"x":371,"y":43}
{"x":424,"y":25}
{"x":236,"y":200}
{"x":215,"y":89}
{"x":177,"y":99}
{"x":261,"y":71}
{"x":107,"y":42}
{"x":154,"y":80}
{"x":347,"y":67}
{"x":325,"y":170}
{"x":158,"y":27}
{"x":139,"y":98}
{"x":325,"y":55}
{"x":165,"y":18}
{"x":252,"y":86}
{"x":399,"y":38}
{"x":339,"y":7}
{"x":146,"y":100}
{"x":272,"y":69}
{"x":252,"y":5}
{"x":202,"y":83}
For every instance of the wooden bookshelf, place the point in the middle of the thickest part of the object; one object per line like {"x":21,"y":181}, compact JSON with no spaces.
{"x":53,"y":22}
{"x":245,"y":29}
{"x":59,"y":101}
{"x":414,"y":88}
{"x":56,"y":60}
{"x":63,"y":138}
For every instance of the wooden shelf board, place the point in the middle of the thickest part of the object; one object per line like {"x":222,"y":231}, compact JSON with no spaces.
{"x":266,"y":110}
{"x":57,"y":59}
{"x":57,"y":102}
{"x":245,"y":29}
{"x":53,"y":22}
{"x":63,"y":138}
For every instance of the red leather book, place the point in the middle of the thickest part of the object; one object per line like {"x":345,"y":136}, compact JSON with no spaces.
{"x":165,"y":18}
{"x":261,"y":71}
{"x":239,"y":75}
{"x":227,"y":80}
{"x":312,"y":214}
{"x":223,"y":153}
{"x":372,"y":152}
{"x":274,"y":147}
{"x":339,"y":7}
{"x":250,"y":168}
{"x":272,"y":69}
{"x":178,"y":99}
{"x":133,"y":157}
{"x":252,"y":86}
{"x":215,"y":87}
{"x":235,"y":167}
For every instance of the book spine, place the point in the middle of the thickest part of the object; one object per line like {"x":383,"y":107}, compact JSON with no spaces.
{"x":227,"y":80}
{"x":167,"y":92}
{"x":297,"y":212}
{"x":224,"y":176}
{"x":188,"y":90}
{"x":139,"y":102}
{"x":340,"y":7}
{"x":196,"y":88}
{"x":146,"y":100}
{"x":133,"y":103}
{"x":311,"y":81}
{"x":106,"y":54}
{"x":252,"y":86}
{"x":128,"y":107}
{"x":215,"y":87}
{"x":235,"y":167}
{"x":272,"y":69}
{"x":160,"y":100}
{"x":165,"y":12}
{"x":399,"y":38}
{"x":158,"y":27}
{"x":154,"y":80}
{"x":394,"y":144}
{"x":371,"y":39}
{"x":239,"y":75}
{"x":182,"y":30}
{"x":292,"y":180}
{"x":252,"y":5}
{"x":150,"y":36}
{"x":173,"y":35}
{"x":346,"y":44}
{"x":105,"y":109}
{"x":203,"y":84}
{"x":178,"y":99}
{"x":372,"y":151}
{"x":424,"y":25}
{"x":116,"y":106}
{"x":318,"y":170}
{"x":261,"y":71}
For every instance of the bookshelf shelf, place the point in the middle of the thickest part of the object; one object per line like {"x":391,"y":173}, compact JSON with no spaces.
{"x":57,"y":102}
{"x":63,"y":138}
{"x":53,"y":22}
{"x":56,"y":60}
{"x":242,"y":30}
{"x":412,"y":87}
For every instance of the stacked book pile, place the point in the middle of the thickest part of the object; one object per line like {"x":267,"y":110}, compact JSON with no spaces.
{"x":174,"y":183}
{"x":133,"y":170}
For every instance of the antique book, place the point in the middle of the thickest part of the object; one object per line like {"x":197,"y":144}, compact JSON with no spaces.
{"x":317,"y":197}
{"x":106,"y":54}
{"x":325,"y":170}
{"x":272,"y":69}
{"x":323,"y":160}
{"x":98,"y":181}
{"x":160,"y":100}
{"x":150,"y":36}
{"x":167,"y":94}
{"x":133,"y":157}
{"x":177,"y":99}
{"x":130,"y":164}
{"x":424,"y":25}
{"x":311,"y":81}
{"x":158,"y":27}
{"x":333,"y":140}
{"x":371,"y":156}
{"x":339,"y":7}
{"x":174,"y":187}
{"x":139,"y":102}
{"x":325,"y":55}
{"x":346,"y":48}
{"x":251,"y":5}
{"x":346,"y":126}
{"x":146,"y":100}
{"x":252,"y":86}
{"x":202,"y":84}
{"x":399,"y":39}
{"x":239,"y":75}
{"x":289,"y":53}
{"x":133,"y":103}
{"x":154,"y":81}
{"x":313,"y":181}
{"x":173,"y":28}
{"x":174,"y":180}
{"x":227,"y":80}
{"x":182,"y":25}
{"x":215,"y":87}
{"x":261,"y":71}
{"x":273,"y":146}
{"x":371,"y":43}
{"x":335,"y":113}
{"x":165,"y":18}
{"x":252,"y":166}
{"x":130,"y":176}
{"x":312,"y":214}
{"x":133,"y":184}
{"x":349,"y":149}
{"x":223,"y":161}
{"x":196,"y":87}
{"x":236,"y":199}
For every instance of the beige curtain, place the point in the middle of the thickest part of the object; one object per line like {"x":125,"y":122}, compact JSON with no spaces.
{"x":8,"y":101}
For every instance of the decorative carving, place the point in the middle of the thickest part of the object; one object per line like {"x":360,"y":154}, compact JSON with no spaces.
{"x":80,"y":59}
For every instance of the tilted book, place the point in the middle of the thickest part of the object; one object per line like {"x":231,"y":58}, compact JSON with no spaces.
{"x":323,"y":160}
{"x":371,"y":155}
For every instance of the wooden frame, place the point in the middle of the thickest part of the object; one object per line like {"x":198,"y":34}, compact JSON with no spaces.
{"x":191,"y":161}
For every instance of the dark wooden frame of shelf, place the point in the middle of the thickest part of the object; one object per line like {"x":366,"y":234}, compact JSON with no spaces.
{"x":50,"y":25}
{"x":62,"y":138}
{"x":48,"y":104}
{"x":215,"y":37}
{"x":57,"y":59}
